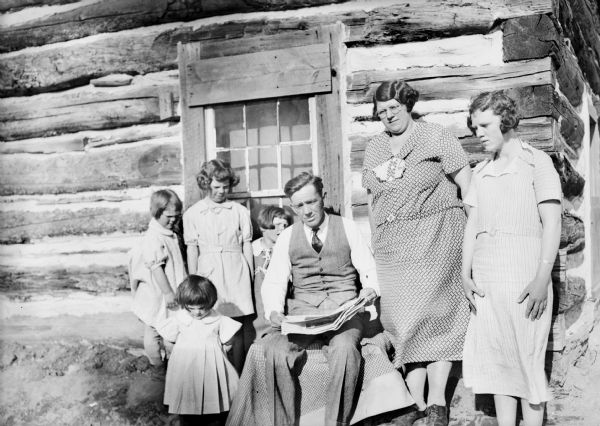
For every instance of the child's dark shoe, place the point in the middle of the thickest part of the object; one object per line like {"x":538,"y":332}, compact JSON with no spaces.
{"x":408,"y":417}
{"x":436,"y":415}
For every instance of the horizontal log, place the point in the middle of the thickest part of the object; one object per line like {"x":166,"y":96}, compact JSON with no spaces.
{"x":572,"y":182}
{"x":364,"y":112}
{"x":87,"y":108}
{"x":90,"y":139}
{"x":538,"y":36}
{"x":27,"y":218}
{"x":20,"y":227}
{"x":150,"y":49}
{"x":452,"y":82}
{"x":580,"y":22}
{"x":35,"y":280}
{"x":133,"y":165}
{"x":453,"y":51}
{"x":14,"y":5}
{"x":106,"y":16}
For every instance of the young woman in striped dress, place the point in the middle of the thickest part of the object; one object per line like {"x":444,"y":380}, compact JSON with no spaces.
{"x":511,"y":240}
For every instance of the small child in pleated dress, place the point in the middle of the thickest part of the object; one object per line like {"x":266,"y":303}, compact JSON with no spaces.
{"x":156,"y":268}
{"x":200,"y":378}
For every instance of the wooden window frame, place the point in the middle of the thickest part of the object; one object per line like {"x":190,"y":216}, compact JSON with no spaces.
{"x":330,"y":144}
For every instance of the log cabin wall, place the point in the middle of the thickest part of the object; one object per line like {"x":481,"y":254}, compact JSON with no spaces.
{"x":89,"y":112}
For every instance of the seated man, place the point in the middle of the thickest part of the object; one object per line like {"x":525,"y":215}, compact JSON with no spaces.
{"x":325,"y":255}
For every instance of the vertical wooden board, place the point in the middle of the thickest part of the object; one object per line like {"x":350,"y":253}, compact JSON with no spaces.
{"x":193,"y":132}
{"x":329,"y":124}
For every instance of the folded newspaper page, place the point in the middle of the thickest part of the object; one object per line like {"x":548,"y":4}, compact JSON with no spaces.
{"x":317,"y":324}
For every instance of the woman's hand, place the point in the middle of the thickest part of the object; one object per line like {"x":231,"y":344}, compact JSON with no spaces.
{"x":470,"y":289}
{"x":537,"y":291}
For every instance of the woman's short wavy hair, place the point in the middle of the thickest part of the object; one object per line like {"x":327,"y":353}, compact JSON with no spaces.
{"x":398,"y":90}
{"x":501,"y":105}
{"x":218,"y":170}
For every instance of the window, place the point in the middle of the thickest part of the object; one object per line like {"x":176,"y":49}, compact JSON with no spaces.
{"x":267,"y":142}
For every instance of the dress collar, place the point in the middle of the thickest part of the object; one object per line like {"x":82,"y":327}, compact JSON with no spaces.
{"x":157,"y":227}
{"x":208,"y":204}
{"x":525,"y":155}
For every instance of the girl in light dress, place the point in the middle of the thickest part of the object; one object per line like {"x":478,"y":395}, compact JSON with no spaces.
{"x":511,"y":240}
{"x":218,"y":236}
{"x":200,"y":379}
{"x":272,"y":221}
{"x":156,"y":268}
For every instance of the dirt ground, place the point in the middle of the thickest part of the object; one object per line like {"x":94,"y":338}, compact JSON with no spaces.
{"x":90,"y":370}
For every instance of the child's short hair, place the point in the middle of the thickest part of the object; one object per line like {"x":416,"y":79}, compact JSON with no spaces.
{"x":268,"y":214}
{"x":161,"y":199}
{"x":196,"y":290}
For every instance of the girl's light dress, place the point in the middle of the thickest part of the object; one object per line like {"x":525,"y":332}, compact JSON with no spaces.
{"x":219,"y":230}
{"x":158,"y":248}
{"x":504,"y":352}
{"x":200,"y":379}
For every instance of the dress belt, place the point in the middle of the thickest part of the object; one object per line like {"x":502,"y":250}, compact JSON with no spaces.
{"x":219,"y":249}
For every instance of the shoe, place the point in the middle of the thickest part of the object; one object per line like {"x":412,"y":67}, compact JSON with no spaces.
{"x":437,"y":415}
{"x":408,"y":417}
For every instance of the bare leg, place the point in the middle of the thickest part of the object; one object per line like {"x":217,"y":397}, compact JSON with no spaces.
{"x":416,"y":374}
{"x":506,"y":410}
{"x":533,"y":414}
{"x":437,"y":377}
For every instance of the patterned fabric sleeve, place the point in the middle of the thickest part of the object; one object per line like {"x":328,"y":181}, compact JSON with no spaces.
{"x":227,"y":329}
{"x":452,"y":155}
{"x":369,"y":180}
{"x":546,"y":182}
{"x":154,"y":253}
{"x":190,"y":236}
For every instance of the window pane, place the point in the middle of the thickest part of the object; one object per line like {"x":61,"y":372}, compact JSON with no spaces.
{"x":229,"y":126}
{"x":294,"y":160}
{"x":261,"y":121}
{"x":294,"y":121}
{"x":237,"y":160}
{"x":263,"y":168}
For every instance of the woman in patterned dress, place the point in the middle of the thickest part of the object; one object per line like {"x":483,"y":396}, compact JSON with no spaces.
{"x":511,"y":240}
{"x":413,"y":172}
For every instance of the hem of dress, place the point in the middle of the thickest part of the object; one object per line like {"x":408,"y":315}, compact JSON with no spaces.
{"x":489,"y":391}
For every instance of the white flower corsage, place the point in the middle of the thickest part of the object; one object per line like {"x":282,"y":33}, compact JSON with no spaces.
{"x":390,"y":170}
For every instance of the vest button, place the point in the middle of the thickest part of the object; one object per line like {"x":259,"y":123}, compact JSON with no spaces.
{"x":320,"y":269}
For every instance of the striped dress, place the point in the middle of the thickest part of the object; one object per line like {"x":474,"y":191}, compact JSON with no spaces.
{"x":504,"y":352}
{"x":419,"y":224}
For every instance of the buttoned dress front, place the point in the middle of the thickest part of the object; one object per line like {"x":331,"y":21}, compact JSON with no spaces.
{"x":417,"y":237}
{"x":219,"y":230}
{"x":504,"y":352}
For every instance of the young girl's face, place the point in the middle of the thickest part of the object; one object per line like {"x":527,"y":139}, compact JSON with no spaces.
{"x":271,"y":234}
{"x":197,"y":311}
{"x":219,"y":190}
{"x":169,"y":217}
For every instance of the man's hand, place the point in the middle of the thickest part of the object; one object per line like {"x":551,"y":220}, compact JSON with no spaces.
{"x":276,"y":318}
{"x":368,"y":294}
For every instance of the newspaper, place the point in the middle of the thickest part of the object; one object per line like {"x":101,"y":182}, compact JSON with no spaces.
{"x":317,"y":324}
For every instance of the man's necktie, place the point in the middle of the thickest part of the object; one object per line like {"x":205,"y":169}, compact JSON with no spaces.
{"x":316,"y":243}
